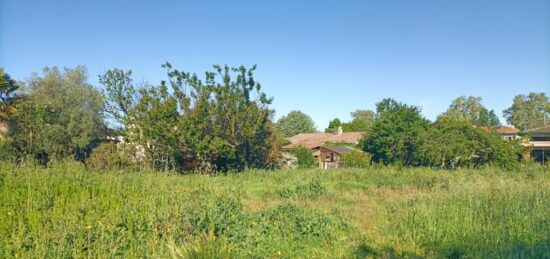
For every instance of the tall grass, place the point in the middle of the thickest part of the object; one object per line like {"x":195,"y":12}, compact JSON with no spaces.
{"x":64,"y":211}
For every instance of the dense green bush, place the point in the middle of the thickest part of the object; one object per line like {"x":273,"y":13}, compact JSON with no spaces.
{"x":357,"y":159}
{"x":7,"y":152}
{"x":107,"y":157}
{"x":451,"y":144}
{"x":304,"y":156}
{"x":393,"y":137}
{"x":60,"y":115}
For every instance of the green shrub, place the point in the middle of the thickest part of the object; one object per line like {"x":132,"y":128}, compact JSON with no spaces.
{"x":7,"y":152}
{"x":311,"y":190}
{"x":356,"y":159}
{"x":454,"y":144}
{"x":304,"y":156}
{"x":107,"y":157}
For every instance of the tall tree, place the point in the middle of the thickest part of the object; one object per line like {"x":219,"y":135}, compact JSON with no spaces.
{"x":394,"y":134}
{"x":218,"y":123}
{"x":364,"y":115}
{"x":295,"y":122}
{"x":152,"y":123}
{"x":361,"y":121}
{"x":471,"y":109}
{"x":528,"y":111}
{"x":225,"y":119}
{"x":61,"y":115}
{"x":120,"y":94}
{"x":333,"y":125}
{"x":8,"y":87}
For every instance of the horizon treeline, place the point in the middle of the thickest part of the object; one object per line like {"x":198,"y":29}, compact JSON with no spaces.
{"x":222,"y":121}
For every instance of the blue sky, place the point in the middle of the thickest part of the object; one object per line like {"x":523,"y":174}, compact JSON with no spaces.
{"x":325,"y":58}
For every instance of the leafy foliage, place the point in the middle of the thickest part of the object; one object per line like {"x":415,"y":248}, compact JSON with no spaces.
{"x":296,"y":122}
{"x":361,"y":122}
{"x":304,"y":157}
{"x":528,"y":111}
{"x":333,"y":125}
{"x":8,"y":88}
{"x":357,"y":159}
{"x":451,"y":144}
{"x":394,"y":134}
{"x":60,"y":116}
{"x":7,"y":150}
{"x":120,"y":94}
{"x":107,"y":156}
{"x":220,"y":123}
{"x":470,"y":109}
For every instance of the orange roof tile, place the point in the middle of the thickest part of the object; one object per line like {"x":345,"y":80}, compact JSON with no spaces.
{"x":506,"y":130}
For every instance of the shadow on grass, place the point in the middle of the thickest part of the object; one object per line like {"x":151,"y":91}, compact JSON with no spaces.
{"x":540,"y":249}
{"x":366,"y":251}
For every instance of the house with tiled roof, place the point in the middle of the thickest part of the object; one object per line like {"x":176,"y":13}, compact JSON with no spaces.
{"x":538,"y":140}
{"x":508,"y":132}
{"x":327,"y":148}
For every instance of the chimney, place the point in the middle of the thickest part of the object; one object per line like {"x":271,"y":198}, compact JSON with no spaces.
{"x":339,"y":130}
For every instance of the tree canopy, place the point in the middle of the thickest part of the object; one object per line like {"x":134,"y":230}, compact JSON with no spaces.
{"x":360,"y":122}
{"x":471,"y":109}
{"x":8,"y":87}
{"x":296,"y":122}
{"x":333,"y":125}
{"x":528,"y":111}
{"x":222,"y":122}
{"x":450,"y":144}
{"x":392,"y":137}
{"x":218,"y":123}
{"x":120,"y":94}
{"x":61,"y":115}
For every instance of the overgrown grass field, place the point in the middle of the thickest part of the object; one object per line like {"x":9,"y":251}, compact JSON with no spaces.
{"x":65,"y":211}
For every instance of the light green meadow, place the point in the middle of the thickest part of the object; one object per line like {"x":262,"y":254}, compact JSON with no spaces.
{"x":385,"y":212}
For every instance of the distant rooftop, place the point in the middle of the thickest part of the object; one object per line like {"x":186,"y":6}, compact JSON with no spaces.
{"x":542,"y":129}
{"x":313,"y":140}
{"x":339,"y":149}
{"x":506,"y":130}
